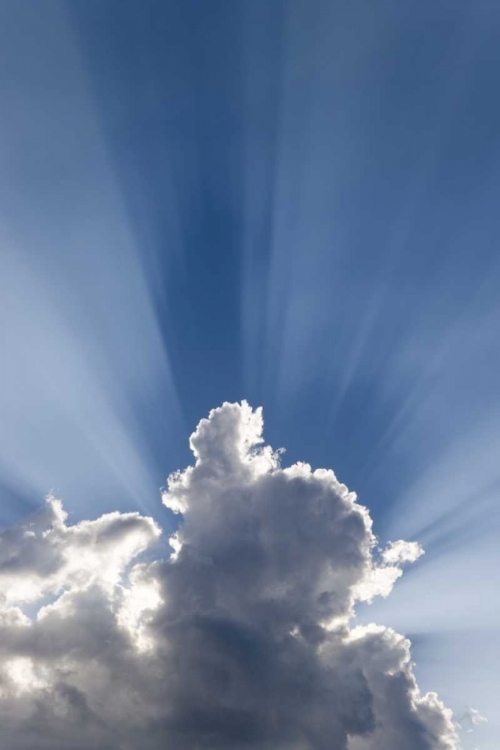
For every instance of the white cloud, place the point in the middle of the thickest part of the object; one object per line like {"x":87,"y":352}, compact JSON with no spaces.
{"x":241,"y":639}
{"x":44,"y":555}
{"x":401,"y":552}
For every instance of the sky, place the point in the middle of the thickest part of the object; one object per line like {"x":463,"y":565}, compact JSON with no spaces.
{"x":291,"y":204}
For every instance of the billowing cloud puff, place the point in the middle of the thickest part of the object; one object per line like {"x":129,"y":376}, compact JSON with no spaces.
{"x":242,"y":639}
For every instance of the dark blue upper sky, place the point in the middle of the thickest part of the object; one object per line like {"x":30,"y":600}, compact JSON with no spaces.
{"x":293,"y":202}
{"x":312,"y":189}
{"x":300,"y":198}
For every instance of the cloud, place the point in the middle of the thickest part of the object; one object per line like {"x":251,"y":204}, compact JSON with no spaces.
{"x":470,"y":719}
{"x":241,"y":639}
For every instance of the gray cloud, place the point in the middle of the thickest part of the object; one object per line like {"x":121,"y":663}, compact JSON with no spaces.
{"x":242,"y":639}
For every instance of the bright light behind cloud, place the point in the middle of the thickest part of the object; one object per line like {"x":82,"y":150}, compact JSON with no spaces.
{"x":241,"y":639}
{"x":293,"y":202}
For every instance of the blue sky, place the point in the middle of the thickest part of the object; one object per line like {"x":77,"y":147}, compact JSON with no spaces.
{"x":295,"y":203}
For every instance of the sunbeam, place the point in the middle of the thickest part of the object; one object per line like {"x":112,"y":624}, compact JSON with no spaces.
{"x":290,"y":203}
{"x":83,"y":361}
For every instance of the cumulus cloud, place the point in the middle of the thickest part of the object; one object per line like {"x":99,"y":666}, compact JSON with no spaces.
{"x":241,"y":639}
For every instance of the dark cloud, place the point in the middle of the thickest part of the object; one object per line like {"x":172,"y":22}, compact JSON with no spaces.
{"x":242,"y":639}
